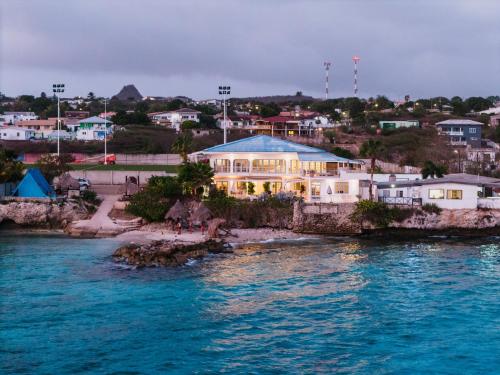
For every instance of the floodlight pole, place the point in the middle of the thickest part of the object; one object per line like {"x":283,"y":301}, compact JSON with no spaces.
{"x":105,"y":135}
{"x":57,"y":89}
{"x":224,"y":90}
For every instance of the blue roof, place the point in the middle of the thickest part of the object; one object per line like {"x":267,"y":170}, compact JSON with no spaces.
{"x":34,"y":185}
{"x":262,"y":143}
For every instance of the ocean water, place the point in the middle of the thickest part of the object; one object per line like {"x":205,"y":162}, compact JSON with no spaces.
{"x":314,"y":306}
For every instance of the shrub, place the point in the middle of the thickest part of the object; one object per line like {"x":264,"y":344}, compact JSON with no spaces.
{"x":149,"y":204}
{"x":379,"y":213}
{"x":432,"y":208}
{"x":401,"y":214}
{"x":90,"y":196}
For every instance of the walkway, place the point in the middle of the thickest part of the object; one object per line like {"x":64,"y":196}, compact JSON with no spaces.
{"x":100,"y":224}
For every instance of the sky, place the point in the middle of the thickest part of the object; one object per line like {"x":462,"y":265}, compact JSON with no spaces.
{"x":422,"y":48}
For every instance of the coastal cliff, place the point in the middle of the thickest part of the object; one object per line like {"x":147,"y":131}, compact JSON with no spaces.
{"x":49,"y":215}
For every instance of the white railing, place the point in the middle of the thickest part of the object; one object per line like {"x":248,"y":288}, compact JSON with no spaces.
{"x":490,"y":202}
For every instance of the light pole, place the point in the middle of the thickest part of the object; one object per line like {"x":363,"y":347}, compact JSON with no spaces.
{"x":57,"y":88}
{"x":224,"y":90}
{"x":459,"y":161}
{"x":105,"y":134}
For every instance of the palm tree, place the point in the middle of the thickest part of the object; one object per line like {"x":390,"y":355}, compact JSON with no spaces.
{"x":183,"y":145}
{"x":371,"y":149}
{"x":193,"y":176}
{"x":433,"y":170}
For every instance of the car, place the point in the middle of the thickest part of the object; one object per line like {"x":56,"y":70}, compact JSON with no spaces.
{"x":84,"y":183}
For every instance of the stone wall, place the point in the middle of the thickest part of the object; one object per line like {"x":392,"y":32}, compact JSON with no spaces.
{"x":324,"y":218}
{"x":42,"y":214}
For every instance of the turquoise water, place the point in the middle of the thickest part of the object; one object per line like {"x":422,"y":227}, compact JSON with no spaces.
{"x":338,"y":305}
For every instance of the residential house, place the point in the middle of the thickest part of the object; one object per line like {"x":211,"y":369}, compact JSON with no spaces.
{"x":174,"y":119}
{"x":454,"y":191}
{"x":42,"y":128}
{"x":461,"y":132}
{"x":495,"y":120}
{"x":94,"y":129}
{"x":236,"y":121}
{"x":13,"y":133}
{"x":62,"y":135}
{"x":11,"y":118}
{"x":285,"y":166}
{"x":390,"y":124}
{"x":34,"y":185}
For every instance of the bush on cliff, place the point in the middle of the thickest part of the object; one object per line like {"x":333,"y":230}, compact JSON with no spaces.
{"x":432,"y":208}
{"x":379,"y":214}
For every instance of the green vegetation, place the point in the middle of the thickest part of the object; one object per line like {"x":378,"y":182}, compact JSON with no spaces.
{"x":431,"y":208}
{"x":183,"y":145}
{"x":90,"y":196}
{"x":343,"y":153}
{"x":52,"y":166}
{"x":11,"y":170}
{"x":432,"y":170}
{"x":379,"y":214}
{"x":371,"y":149}
{"x":194,"y":176}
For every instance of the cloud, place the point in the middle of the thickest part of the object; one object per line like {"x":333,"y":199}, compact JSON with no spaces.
{"x":262,"y":47}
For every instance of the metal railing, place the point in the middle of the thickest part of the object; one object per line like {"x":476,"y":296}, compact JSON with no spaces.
{"x":402,"y":201}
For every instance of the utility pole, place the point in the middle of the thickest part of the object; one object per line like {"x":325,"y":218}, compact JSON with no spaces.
{"x":356,"y":59}
{"x":326,"y":64}
{"x":57,"y":88}
{"x":224,"y":90}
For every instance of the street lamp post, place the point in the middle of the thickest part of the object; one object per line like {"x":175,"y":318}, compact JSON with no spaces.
{"x":459,"y":161}
{"x":224,"y":90}
{"x":57,"y":88}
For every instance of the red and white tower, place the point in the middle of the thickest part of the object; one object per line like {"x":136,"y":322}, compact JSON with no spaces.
{"x":326,"y":64}
{"x":355,"y":59}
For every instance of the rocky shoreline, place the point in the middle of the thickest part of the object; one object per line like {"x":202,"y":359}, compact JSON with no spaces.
{"x":167,"y":253}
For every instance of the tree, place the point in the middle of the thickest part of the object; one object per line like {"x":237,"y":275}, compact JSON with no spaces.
{"x":267,"y":187}
{"x":52,"y":166}
{"x":183,"y":145}
{"x":371,"y":149}
{"x":330,"y":134}
{"x":192,"y":176}
{"x":91,"y":96}
{"x":250,"y":188}
{"x":433,"y":170}
{"x":342,"y":152}
{"x":190,"y":124}
{"x":11,"y":170}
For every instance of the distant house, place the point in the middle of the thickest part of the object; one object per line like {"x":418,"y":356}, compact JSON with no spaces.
{"x":34,"y":185}
{"x":11,"y":118}
{"x":389,"y":124}
{"x":174,"y":119}
{"x":454,"y":191}
{"x":13,"y":133}
{"x":77,"y":114}
{"x":42,"y":128}
{"x":495,"y":120}
{"x":461,"y":132}
{"x":62,"y":134}
{"x":94,"y":129}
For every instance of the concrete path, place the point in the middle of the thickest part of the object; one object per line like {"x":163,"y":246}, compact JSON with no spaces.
{"x":100,"y":224}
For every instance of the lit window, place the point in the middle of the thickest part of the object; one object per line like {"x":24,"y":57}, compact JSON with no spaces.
{"x":454,"y":194}
{"x":241,"y":165}
{"x":436,"y":193}
{"x":341,"y":188}
{"x":315,"y":189}
{"x":222,"y":165}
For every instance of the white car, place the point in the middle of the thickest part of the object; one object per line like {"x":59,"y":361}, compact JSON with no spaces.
{"x":84,"y":183}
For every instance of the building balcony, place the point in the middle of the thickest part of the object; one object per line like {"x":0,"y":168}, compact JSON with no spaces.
{"x":455,"y":133}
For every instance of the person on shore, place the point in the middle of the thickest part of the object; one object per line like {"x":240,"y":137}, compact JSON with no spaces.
{"x":203,"y":228}
{"x":179,"y":227}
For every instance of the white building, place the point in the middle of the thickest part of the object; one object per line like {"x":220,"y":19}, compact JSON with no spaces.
{"x":10,"y":118}
{"x":284,"y":166}
{"x":12,"y":133}
{"x":94,"y":129}
{"x":174,"y":119}
{"x":454,"y":191}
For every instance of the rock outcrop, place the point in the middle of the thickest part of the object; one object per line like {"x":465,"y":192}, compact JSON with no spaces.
{"x":167,"y":253}
{"x":49,"y":215}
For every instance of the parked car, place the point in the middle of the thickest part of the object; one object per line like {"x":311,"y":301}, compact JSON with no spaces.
{"x":84,"y":183}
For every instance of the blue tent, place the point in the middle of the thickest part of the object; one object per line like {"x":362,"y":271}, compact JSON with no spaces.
{"x":34,"y":185}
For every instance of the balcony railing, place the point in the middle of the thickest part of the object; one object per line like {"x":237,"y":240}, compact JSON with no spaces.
{"x":402,"y":201}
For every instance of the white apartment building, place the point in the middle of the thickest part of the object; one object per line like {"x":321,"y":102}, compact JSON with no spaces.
{"x":94,"y":129}
{"x":12,"y":133}
{"x":174,"y":119}
{"x":11,"y":118}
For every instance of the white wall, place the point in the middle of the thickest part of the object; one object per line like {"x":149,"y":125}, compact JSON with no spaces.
{"x":16,"y":134}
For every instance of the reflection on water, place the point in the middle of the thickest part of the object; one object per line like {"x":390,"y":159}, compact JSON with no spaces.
{"x":324,"y":306}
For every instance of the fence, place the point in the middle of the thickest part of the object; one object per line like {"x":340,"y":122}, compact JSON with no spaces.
{"x":402,"y":201}
{"x":130,"y":159}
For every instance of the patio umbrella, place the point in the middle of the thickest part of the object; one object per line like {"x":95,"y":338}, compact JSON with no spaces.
{"x":177,"y":212}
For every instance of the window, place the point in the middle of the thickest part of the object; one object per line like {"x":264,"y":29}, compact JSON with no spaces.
{"x":221,"y":185}
{"x":222,"y":166}
{"x":342,"y":188}
{"x":315,"y":189}
{"x":294,"y":167}
{"x":399,"y":193}
{"x":268,"y":166}
{"x":386,"y":193}
{"x":454,"y":194}
{"x":472,"y":130}
{"x":314,"y":167}
{"x":275,"y":187}
{"x":241,"y":165}
{"x":436,"y":193}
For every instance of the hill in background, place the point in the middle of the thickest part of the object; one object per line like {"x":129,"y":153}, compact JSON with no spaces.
{"x":128,"y":93}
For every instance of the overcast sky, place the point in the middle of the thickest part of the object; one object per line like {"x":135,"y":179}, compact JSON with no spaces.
{"x":259,"y":47}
